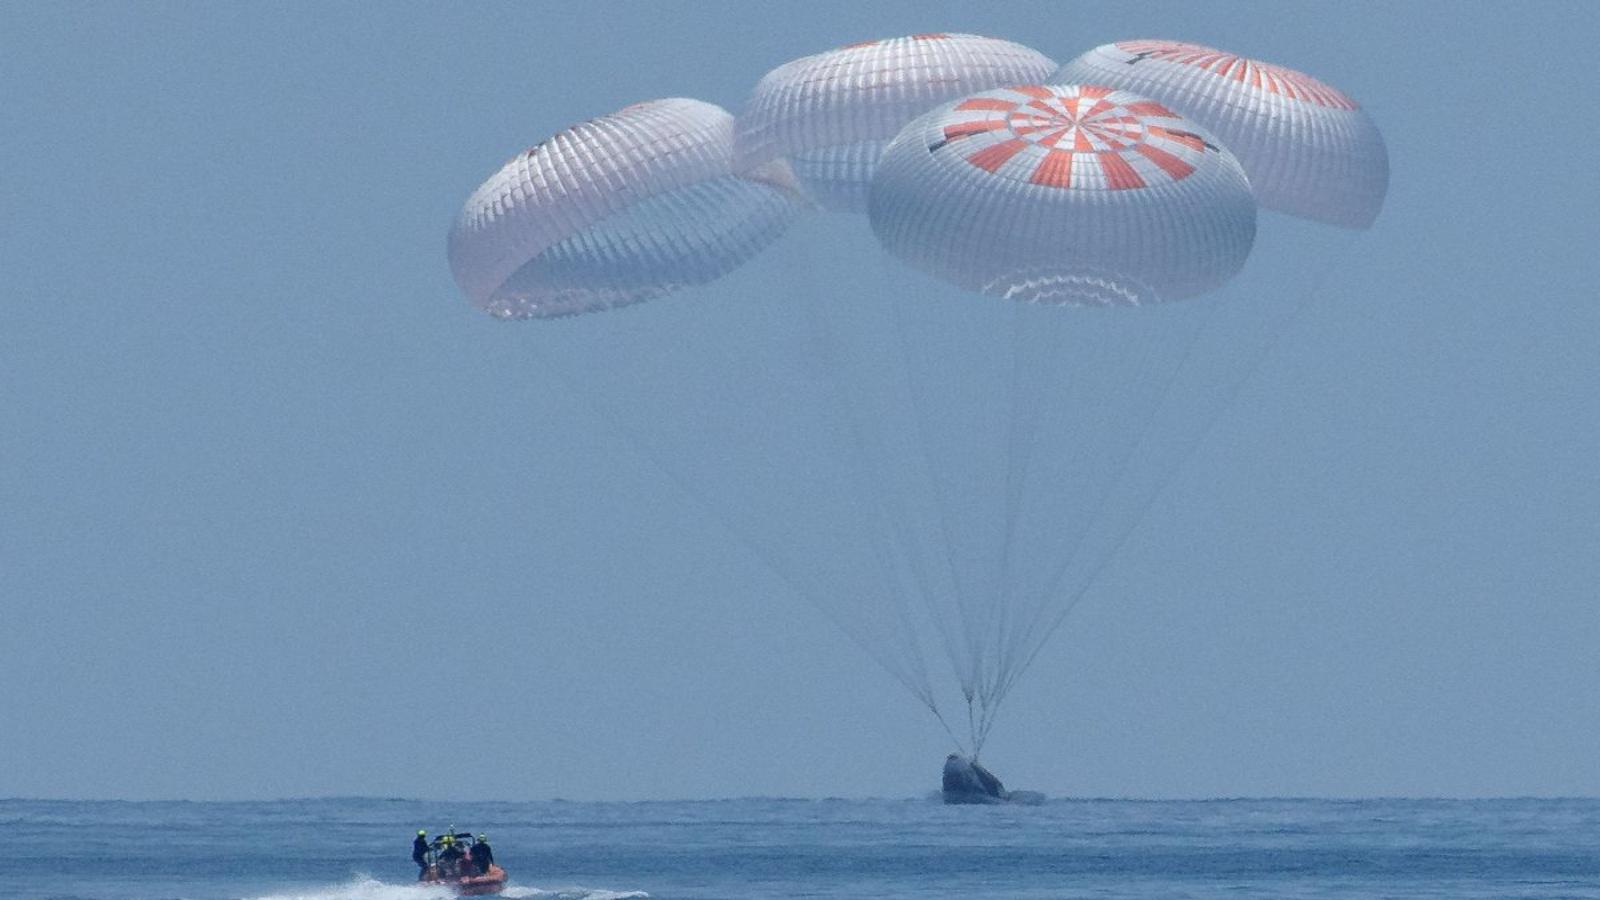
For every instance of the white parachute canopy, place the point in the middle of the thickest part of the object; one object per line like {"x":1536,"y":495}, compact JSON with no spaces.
{"x":1310,"y":150}
{"x":831,"y":114}
{"x":617,"y":210}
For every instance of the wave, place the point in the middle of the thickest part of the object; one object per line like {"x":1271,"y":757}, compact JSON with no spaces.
{"x":366,"y":888}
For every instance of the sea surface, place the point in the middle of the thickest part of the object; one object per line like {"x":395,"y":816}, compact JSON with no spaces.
{"x":359,"y":849}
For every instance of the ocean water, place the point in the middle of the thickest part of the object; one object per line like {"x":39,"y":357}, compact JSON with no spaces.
{"x":359,"y":849}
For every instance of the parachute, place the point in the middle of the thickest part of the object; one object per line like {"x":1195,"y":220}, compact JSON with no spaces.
{"x":944,"y":450}
{"x":1310,"y":151}
{"x":616,"y":211}
{"x":830,"y":115}
{"x":1018,"y":191}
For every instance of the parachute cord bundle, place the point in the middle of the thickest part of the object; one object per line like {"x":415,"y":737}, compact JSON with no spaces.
{"x":878,"y":486}
{"x":1070,"y":558}
{"x":839,"y":396}
{"x":1144,"y":385}
{"x":966,"y":674}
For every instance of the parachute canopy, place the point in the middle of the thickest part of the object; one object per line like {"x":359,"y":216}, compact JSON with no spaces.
{"x":831,"y":114}
{"x":617,"y":210}
{"x":1064,"y":193}
{"x":1310,"y":151}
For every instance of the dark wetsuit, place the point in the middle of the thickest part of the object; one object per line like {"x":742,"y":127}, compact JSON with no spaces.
{"x":450,"y":860}
{"x":482,"y":857}
{"x":419,"y":854}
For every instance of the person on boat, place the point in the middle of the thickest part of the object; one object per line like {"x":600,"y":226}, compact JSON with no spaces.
{"x":419,"y":853}
{"x":482,"y":856}
{"x":450,"y":856}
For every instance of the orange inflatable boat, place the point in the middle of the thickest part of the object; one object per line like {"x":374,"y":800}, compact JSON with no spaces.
{"x":490,"y":882}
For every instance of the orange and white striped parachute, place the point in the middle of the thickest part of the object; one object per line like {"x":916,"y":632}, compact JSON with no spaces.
{"x":1310,"y":151}
{"x":1064,"y":193}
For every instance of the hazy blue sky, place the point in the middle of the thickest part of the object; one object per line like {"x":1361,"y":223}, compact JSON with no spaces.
{"x":256,"y":452}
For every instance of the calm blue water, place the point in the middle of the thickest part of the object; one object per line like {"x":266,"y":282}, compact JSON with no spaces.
{"x":359,"y":849}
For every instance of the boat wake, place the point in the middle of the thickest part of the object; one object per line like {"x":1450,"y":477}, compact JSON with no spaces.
{"x":574,"y":893}
{"x":372,"y":889}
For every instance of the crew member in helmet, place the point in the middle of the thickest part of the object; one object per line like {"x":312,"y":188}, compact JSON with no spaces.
{"x":450,"y":856}
{"x":482,"y":856}
{"x":419,"y":853}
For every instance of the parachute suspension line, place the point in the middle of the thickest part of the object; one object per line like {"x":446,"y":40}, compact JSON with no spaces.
{"x":1017,"y":458}
{"x":631,"y":438}
{"x":987,"y":722}
{"x":972,"y":729}
{"x":1297,"y":308}
{"x":929,"y":592}
{"x":984,"y":722}
{"x":964,"y":675}
{"x":888,"y":519}
{"x":1036,"y":339}
{"x":1025,"y":402}
{"x":948,"y":730}
{"x":1147,"y":379}
{"x":807,"y":588}
{"x":1152,"y":385}
{"x":960,"y":663}
{"x":1036,"y":346}
{"x":891,"y":512}
{"x":1089,"y":402}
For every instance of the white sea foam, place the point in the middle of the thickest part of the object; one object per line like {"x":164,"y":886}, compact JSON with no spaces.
{"x":365,"y":888}
{"x":572,"y":893}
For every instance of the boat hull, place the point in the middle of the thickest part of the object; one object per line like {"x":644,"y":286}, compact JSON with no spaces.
{"x":489,"y":883}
